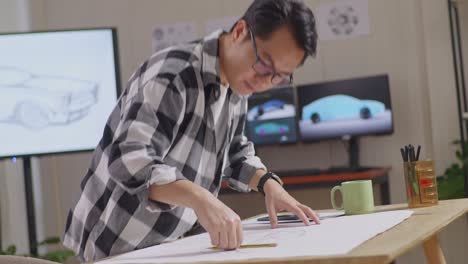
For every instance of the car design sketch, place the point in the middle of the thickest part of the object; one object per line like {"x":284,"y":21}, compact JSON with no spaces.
{"x":272,"y":109}
{"x":37,"y":101}
{"x":271,"y":128}
{"x":338,"y":107}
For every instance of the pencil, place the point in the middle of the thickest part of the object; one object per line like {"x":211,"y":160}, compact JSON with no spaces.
{"x":417,"y":153}
{"x":252,"y":246}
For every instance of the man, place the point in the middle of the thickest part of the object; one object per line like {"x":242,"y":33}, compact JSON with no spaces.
{"x":178,"y":127}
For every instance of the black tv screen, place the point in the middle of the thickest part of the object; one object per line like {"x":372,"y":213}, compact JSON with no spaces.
{"x":271,"y":117}
{"x":345,"y":108}
{"x":57,"y":90}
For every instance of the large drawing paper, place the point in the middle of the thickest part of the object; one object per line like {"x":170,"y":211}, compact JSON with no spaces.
{"x":333,"y":236}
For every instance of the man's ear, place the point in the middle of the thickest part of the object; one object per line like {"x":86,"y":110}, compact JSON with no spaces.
{"x":240,"y":31}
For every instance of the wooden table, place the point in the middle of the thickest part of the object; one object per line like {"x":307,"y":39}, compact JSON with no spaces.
{"x":421,"y":228}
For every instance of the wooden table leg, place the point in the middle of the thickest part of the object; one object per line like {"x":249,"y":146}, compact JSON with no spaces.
{"x":434,"y":253}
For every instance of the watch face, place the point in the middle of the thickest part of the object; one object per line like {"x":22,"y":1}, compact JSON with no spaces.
{"x":277,"y":178}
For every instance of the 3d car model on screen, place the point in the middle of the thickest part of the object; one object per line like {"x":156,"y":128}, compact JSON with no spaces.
{"x":271,"y":129}
{"x":271,"y":110}
{"x":337,"y":107}
{"x":36,"y":101}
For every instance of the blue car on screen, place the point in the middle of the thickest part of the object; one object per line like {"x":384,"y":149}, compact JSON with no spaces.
{"x":271,"y":128}
{"x":272,"y":109}
{"x":336,"y":107}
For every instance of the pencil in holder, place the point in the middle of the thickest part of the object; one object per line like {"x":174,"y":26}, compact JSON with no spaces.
{"x":421,"y":183}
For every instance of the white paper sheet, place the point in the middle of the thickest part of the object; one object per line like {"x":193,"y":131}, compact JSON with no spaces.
{"x":333,"y":236}
{"x":343,"y":19}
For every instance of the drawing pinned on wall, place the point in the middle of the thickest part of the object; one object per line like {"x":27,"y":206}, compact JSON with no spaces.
{"x":224,"y":23}
{"x":342,"y":19}
{"x":172,"y":34}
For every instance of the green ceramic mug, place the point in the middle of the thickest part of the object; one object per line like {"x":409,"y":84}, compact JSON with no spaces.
{"x":358,"y":197}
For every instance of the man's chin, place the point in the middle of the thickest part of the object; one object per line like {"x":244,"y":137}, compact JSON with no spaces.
{"x":241,"y":92}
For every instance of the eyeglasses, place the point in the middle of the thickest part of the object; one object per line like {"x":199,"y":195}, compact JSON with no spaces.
{"x":263,"y":69}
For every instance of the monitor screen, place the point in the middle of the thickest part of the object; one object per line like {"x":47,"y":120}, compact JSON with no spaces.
{"x":337,"y":109}
{"x":271,"y":117}
{"x":57,"y":90}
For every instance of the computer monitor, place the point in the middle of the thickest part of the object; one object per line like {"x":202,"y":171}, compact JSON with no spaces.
{"x":271,"y":117}
{"x":57,"y":90}
{"x":345,"y":108}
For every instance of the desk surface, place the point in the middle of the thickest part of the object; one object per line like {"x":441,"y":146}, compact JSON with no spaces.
{"x":417,"y":230}
{"x":386,"y":247}
{"x":424,"y":223}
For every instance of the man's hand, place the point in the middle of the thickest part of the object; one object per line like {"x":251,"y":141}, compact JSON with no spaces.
{"x":223,"y":224}
{"x":277,"y":200}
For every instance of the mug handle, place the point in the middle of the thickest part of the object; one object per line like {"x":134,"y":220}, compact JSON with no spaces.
{"x":332,"y":197}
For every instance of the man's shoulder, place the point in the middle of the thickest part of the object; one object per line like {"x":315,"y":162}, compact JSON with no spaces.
{"x":176,"y":59}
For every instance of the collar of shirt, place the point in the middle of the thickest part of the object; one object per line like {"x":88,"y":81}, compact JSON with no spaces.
{"x":211,"y":70}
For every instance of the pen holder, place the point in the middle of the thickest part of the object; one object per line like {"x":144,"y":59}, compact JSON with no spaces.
{"x":421,"y":183}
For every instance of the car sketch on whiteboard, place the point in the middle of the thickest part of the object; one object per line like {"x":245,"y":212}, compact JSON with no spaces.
{"x":38,"y":101}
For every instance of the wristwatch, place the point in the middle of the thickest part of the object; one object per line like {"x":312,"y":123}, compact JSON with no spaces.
{"x":264,"y":178}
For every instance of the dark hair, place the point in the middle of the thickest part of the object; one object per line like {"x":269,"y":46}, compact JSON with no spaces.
{"x":266,"y":16}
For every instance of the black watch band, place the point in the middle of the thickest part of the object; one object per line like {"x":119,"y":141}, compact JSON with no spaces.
{"x":263,"y":180}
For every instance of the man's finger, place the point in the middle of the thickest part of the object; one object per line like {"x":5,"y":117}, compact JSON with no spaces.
{"x":310,"y":213}
{"x":223,"y":239}
{"x":298,"y":211}
{"x":240,"y":235}
{"x":232,"y":237}
{"x":214,"y":235}
{"x":272,"y":214}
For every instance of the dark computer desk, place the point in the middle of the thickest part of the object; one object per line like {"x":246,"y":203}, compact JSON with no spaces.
{"x":301,"y":179}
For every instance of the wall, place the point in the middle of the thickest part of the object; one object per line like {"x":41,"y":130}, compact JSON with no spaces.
{"x":409,"y":40}
{"x":463,"y":7}
{"x":463,"y":15}
{"x":14,"y":16}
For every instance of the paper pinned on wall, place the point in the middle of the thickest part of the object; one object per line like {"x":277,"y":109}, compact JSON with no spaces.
{"x":224,"y":23}
{"x":172,"y":34}
{"x":342,"y":19}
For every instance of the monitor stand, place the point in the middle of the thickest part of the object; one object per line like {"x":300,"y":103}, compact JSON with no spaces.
{"x":352,"y":147}
{"x":353,"y":152}
{"x":28,"y":188}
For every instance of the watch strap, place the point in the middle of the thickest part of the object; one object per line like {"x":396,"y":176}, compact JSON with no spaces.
{"x":264,"y":178}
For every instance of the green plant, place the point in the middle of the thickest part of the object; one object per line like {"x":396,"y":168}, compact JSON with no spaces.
{"x":60,"y":255}
{"x":451,"y":183}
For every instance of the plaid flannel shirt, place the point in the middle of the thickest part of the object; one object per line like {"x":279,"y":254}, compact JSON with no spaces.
{"x":160,"y":131}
